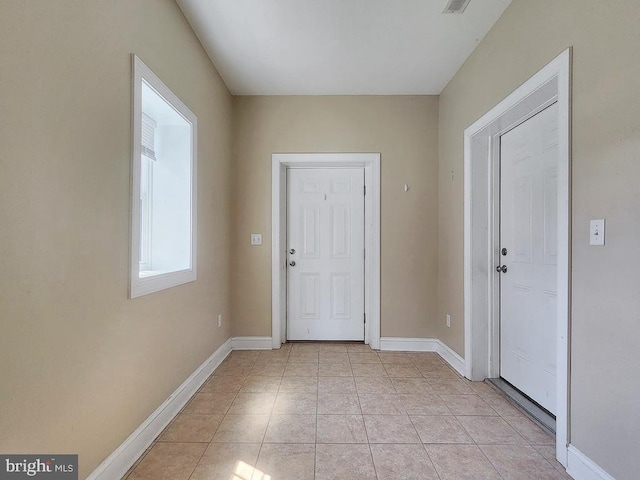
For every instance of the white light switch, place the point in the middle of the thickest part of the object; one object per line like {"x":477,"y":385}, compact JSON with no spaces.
{"x":596,"y":232}
{"x":256,"y":239}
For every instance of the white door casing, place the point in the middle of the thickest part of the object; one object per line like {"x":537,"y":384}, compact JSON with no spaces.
{"x":325,"y":246}
{"x":481,"y":229}
{"x":528,"y":242}
{"x":370,"y":162}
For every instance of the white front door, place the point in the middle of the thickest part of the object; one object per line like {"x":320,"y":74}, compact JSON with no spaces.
{"x":325,"y":254}
{"x":528,"y":244}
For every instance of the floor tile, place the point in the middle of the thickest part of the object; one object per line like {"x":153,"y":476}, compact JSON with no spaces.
{"x":271,"y":369}
{"x":467,"y":405}
{"x":335,"y":370}
{"x":501,"y":406}
{"x":461,"y":462}
{"x":305,"y":347}
{"x":368,"y":370}
{"x":440,"y":429}
{"x":169,"y":461}
{"x":239,"y":362}
{"x":482,"y":388}
{"x":338,"y":404}
{"x":301,"y":370}
{"x":191,"y":427}
{"x":244,"y":354}
{"x":381,"y":404}
{"x":449,"y":386}
{"x":341,"y":429}
{"x":515,"y":462}
{"x":334,"y":357}
{"x":242,"y":429}
{"x":371,"y":357}
{"x":257,"y":384}
{"x":252,"y":404}
{"x":286,"y":462}
{"x":226,"y":384}
{"x":280,"y":355}
{"x":291,"y":429}
{"x":406,"y":462}
{"x":399,"y":370}
{"x":395,"y":358}
{"x":297,"y":356}
{"x":412,"y":385}
{"x":531,"y":432}
{"x":295,"y":404}
{"x":336,"y":385}
{"x":436,"y":370}
{"x":390,"y":429}
{"x":423,"y":404}
{"x":341,"y":462}
{"x":222,"y":460}
{"x":548,"y":452}
{"x":343,"y":411}
{"x":358,"y":348}
{"x":210,"y":403}
{"x":490,"y":430}
{"x":333,"y":347}
{"x":232,"y":370}
{"x":299,"y":384}
{"x":374,"y":385}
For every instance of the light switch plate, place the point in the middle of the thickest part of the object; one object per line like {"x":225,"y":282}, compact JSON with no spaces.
{"x":596,"y":232}
{"x":256,"y":239}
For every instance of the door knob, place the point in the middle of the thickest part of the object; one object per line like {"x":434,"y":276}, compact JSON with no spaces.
{"x":293,"y":264}
{"x":502,"y":269}
{"x":292,"y":251}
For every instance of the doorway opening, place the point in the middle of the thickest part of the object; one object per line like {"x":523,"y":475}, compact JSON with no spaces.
{"x":482,"y":252}
{"x":369,"y":163}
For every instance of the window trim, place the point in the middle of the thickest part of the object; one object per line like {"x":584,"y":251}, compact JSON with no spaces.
{"x":148,"y":284}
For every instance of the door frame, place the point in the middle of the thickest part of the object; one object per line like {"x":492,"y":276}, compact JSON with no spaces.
{"x":280,"y":162}
{"x":481,"y":229}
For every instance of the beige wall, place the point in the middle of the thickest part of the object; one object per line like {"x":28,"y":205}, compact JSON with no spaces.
{"x":81,"y":365}
{"x":404,"y":131}
{"x":605,"y":385}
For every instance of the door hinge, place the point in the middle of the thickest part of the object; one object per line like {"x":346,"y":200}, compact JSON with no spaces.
{"x":365,"y":318}
{"x":365,"y":189}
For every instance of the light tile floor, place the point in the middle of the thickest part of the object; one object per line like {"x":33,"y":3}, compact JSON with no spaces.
{"x":342,"y":411}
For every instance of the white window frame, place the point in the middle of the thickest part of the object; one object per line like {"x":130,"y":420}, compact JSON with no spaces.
{"x":138,"y":285}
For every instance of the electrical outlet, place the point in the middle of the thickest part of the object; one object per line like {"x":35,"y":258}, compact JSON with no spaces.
{"x":448,"y":320}
{"x":219,"y":320}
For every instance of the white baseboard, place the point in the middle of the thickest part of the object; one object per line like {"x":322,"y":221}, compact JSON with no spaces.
{"x":581,"y":467}
{"x":401,"y":344}
{"x":251,"y":343}
{"x":452,"y":358}
{"x":120,"y":461}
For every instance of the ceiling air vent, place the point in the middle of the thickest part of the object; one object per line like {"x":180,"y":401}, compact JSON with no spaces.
{"x":455,"y":6}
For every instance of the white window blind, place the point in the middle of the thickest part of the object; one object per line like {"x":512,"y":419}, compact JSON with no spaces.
{"x":148,"y":136}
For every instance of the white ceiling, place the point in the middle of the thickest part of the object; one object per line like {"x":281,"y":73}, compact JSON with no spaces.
{"x":338,"y":47}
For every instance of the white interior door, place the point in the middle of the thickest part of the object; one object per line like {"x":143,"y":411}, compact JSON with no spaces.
{"x":528,"y":243}
{"x":325,"y":254}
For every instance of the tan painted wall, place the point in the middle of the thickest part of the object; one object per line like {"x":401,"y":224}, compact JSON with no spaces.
{"x":81,"y":365}
{"x":404,"y":131}
{"x":605,"y":387}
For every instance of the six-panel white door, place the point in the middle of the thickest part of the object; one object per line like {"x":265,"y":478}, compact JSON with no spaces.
{"x":528,"y":242}
{"x":325,"y":254}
